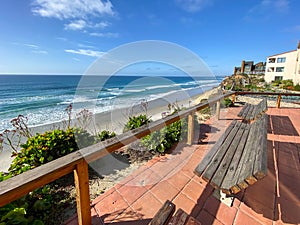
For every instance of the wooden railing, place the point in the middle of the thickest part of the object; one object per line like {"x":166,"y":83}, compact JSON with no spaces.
{"x":77,"y":162}
{"x":279,"y":95}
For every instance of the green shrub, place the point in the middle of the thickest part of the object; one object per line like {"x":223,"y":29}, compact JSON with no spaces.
{"x":136,"y":122}
{"x":105,"y":134}
{"x":164,"y":139}
{"x":227,"y":102}
{"x":297,"y":87}
{"x":43,"y":148}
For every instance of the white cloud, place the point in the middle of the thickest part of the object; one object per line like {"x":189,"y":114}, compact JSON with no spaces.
{"x":107,"y":35}
{"x":78,"y":14}
{"x":66,"y":9}
{"x":193,"y":5}
{"x":265,"y":7}
{"x":31,"y":46}
{"x":86,"y":52}
{"x":76,"y":25}
{"x":40,"y":52}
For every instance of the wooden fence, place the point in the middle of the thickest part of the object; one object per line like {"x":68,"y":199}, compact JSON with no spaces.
{"x":77,"y":162}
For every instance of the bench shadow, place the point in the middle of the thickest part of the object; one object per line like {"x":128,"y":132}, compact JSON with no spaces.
{"x":277,"y":200}
{"x":282,"y":125}
{"x":204,"y":130}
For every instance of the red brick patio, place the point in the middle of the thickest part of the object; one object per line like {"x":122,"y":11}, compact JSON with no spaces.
{"x":273,"y":200}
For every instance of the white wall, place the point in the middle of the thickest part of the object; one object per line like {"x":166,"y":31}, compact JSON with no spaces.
{"x":291,"y":67}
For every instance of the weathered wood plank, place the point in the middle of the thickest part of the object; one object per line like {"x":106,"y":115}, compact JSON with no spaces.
{"x":208,"y":157}
{"x":247,"y":158}
{"x":260,"y":165}
{"x":20,"y":185}
{"x":165,"y":213}
{"x":191,"y":129}
{"x":179,"y":218}
{"x":192,"y":221}
{"x":229,"y":184}
{"x":215,"y":162}
{"x":81,"y":178}
{"x":227,"y":159}
{"x":250,"y":112}
{"x":245,"y":108}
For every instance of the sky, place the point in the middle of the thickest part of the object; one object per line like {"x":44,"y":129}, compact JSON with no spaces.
{"x":67,"y":36}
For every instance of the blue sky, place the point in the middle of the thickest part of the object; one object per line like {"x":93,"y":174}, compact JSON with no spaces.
{"x":66,"y":36}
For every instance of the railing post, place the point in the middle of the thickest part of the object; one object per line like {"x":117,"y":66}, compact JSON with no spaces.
{"x":218,"y":108}
{"x":81,"y":178}
{"x":190,"y":136}
{"x":278,"y":101}
{"x":233,"y":98}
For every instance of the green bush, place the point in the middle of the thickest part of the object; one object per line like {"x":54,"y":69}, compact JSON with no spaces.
{"x":43,"y":148}
{"x":164,"y":139}
{"x":105,"y":134}
{"x":227,"y":102}
{"x":136,"y":122}
{"x":297,"y":87}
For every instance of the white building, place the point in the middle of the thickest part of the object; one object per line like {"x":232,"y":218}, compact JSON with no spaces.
{"x":284,"y":66}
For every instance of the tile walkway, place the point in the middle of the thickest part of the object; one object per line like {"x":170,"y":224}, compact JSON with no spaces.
{"x":273,"y":200}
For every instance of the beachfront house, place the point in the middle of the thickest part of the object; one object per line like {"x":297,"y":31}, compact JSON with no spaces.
{"x":284,"y":66}
{"x":248,"y":67}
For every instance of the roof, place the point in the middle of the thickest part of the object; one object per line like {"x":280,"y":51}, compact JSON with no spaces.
{"x":281,"y":53}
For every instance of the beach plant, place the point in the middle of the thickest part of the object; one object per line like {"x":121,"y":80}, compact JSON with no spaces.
{"x":136,"y":122}
{"x":227,"y":102}
{"x":105,"y":134}
{"x":43,"y":148}
{"x":12,"y":138}
{"x":68,"y":110}
{"x":164,"y":139}
{"x":84,"y":118}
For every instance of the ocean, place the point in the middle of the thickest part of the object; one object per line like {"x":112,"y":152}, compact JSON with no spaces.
{"x":44,"y":98}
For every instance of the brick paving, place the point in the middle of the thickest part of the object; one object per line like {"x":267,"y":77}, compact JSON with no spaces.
{"x":273,"y":200}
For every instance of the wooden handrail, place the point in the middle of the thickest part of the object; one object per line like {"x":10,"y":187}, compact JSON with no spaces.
{"x":266,"y":93}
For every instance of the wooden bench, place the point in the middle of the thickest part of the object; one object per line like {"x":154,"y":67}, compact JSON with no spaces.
{"x":250,"y":112}
{"x":165,"y":216}
{"x":238,"y":159}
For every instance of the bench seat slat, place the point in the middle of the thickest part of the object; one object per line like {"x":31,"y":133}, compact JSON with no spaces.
{"x":245,"y":107}
{"x":260,"y":166}
{"x":164,"y":214}
{"x":208,"y":157}
{"x":248,"y":158}
{"x":215,"y":162}
{"x":227,"y":159}
{"x":229,"y":184}
{"x":179,"y":218}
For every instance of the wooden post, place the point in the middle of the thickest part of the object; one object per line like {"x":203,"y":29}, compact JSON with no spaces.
{"x":233,"y":98}
{"x":218,"y":108}
{"x":81,"y":178}
{"x":278,"y":101}
{"x":190,"y":136}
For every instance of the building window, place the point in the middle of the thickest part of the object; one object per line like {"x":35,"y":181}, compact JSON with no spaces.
{"x":281,"y":60}
{"x":278,"y":77}
{"x":270,"y":69}
{"x":279,"y":69}
{"x":271,"y":60}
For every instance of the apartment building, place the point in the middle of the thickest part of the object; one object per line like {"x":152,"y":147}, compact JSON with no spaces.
{"x":284,"y":66}
{"x":248,"y":67}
